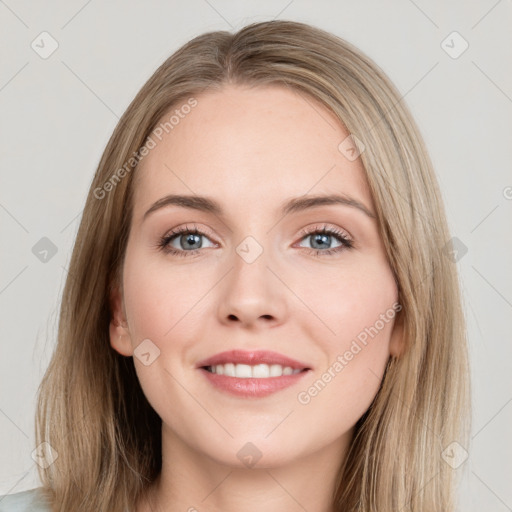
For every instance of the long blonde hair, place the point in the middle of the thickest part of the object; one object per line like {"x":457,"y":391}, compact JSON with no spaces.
{"x":91,"y":408}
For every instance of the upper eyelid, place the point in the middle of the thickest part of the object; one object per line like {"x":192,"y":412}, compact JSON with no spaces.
{"x":327,"y":227}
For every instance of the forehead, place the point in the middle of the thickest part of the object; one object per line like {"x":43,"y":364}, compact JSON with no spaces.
{"x":250,"y":146}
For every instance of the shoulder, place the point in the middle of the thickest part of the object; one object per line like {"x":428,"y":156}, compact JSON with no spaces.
{"x":26,"y":501}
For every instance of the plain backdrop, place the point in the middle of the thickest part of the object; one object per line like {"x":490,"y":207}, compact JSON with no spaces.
{"x":57,"y":112}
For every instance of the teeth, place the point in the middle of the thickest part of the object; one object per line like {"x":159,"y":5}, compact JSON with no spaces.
{"x":259,"y":371}
{"x":229,"y":369}
{"x":243,"y":371}
{"x":276,"y":370}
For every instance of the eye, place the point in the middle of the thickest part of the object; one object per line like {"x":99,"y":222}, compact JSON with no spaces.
{"x":186,"y":241}
{"x":183,"y":241}
{"x":321,"y":240}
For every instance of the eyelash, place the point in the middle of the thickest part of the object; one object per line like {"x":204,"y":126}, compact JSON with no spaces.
{"x":346,"y":243}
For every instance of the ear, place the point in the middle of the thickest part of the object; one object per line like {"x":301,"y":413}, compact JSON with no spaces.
{"x":120,"y":339}
{"x":397,"y":340}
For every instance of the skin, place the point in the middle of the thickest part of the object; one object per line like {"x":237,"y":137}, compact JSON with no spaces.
{"x":251,"y":149}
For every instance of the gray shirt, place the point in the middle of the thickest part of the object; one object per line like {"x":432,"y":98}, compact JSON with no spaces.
{"x":26,"y":501}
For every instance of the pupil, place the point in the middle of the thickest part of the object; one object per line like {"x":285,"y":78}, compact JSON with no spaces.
{"x":190,"y":240}
{"x":321,"y":238}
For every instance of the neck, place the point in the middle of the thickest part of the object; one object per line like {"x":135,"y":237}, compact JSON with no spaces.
{"x":193,"y":482}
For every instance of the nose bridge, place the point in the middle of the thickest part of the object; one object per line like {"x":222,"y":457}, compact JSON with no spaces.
{"x":251,"y":290}
{"x":250,"y":275}
{"x":254,"y":248}
{"x":250,"y":249}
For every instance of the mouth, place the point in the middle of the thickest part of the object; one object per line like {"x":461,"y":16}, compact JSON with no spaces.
{"x":252,"y":374}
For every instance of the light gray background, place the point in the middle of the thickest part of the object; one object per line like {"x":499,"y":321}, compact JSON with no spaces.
{"x":57,"y":114}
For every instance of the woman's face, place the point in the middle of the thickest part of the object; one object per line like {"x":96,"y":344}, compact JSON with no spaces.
{"x":255,"y":278}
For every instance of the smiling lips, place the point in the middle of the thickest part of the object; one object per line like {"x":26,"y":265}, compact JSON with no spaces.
{"x":252,"y":374}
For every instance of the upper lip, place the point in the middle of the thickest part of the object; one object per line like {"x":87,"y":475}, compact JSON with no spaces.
{"x":252,"y":357}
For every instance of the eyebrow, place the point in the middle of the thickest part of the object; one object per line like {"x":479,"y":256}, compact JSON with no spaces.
{"x":296,"y":204}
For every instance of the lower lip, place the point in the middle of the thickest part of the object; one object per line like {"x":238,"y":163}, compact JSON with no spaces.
{"x":252,"y":387}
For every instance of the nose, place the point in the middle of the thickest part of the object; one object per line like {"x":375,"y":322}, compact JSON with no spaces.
{"x":251,"y":294}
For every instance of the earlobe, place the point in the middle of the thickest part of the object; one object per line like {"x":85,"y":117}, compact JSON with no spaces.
{"x":120,"y":339}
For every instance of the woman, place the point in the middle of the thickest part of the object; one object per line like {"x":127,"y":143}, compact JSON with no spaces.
{"x":260,"y":310}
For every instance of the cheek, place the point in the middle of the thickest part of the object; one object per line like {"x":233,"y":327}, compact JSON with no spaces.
{"x":352,"y":324}
{"x":162,"y":305}
{"x":159,"y":297}
{"x":344,"y":302}
{"x":147,"y":308}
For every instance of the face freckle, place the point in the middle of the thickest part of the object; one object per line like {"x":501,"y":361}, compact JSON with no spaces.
{"x":258,"y":282}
